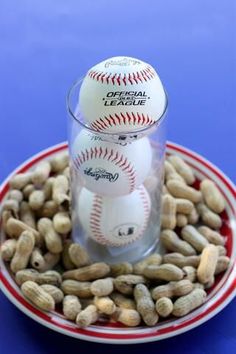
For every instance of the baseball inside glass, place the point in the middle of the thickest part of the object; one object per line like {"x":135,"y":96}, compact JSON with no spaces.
{"x":116,"y":178}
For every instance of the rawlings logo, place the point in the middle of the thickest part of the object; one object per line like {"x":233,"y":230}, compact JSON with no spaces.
{"x":98,"y":173}
{"x":122,"y":62}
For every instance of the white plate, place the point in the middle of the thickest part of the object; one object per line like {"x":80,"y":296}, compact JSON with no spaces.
{"x":218,"y":297}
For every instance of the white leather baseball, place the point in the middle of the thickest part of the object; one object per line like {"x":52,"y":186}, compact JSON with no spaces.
{"x":111,"y":169}
{"x":121,"y":94}
{"x":114,"y":221}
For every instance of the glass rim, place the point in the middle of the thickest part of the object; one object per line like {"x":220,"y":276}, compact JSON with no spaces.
{"x":125,"y":133}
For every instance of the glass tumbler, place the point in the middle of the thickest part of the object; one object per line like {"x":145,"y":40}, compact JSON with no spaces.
{"x":116,"y":186}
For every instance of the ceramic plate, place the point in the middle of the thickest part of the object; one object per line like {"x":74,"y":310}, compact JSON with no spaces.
{"x":218,"y":297}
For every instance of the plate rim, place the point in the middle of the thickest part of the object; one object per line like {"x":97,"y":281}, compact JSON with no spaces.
{"x":154,"y":337}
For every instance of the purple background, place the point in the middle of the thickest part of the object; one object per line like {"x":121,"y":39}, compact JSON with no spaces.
{"x":46,"y":44}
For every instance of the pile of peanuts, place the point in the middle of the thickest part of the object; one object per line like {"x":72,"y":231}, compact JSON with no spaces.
{"x":53,"y":272}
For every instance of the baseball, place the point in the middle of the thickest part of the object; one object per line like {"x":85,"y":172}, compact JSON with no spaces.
{"x":111,"y":169}
{"x":117,"y":221}
{"x":121,"y":94}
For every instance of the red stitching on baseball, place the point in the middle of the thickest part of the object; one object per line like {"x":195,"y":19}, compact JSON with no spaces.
{"x":113,"y":79}
{"x":117,"y":117}
{"x":97,"y":126}
{"x":76,"y":163}
{"x":124,"y":80}
{"x":113,"y":157}
{"x":129,"y":117}
{"x":116,"y":157}
{"x":144,"y":76}
{"x":100,"y":152}
{"x":118,"y":79}
{"x":138,"y":76}
{"x":106,"y":152}
{"x":95,"y":225}
{"x":96,"y":206}
{"x":124,"y":162}
{"x":110,"y":119}
{"x":86,"y":151}
{"x":83,"y":155}
{"x":127,"y":167}
{"x":145,"y":73}
{"x":111,"y":153}
{"x":95,"y":219}
{"x":132,"y":172}
{"x":133,"y":78}
{"x":98,"y":76}
{"x":130,"y":79}
{"x":95,"y":152}
{"x":107,"y":78}
{"x":146,"y":207}
{"x":119,"y":161}
{"x":95,"y":213}
{"x":120,"y":118}
{"x":102,"y":77}
{"x":104,"y":123}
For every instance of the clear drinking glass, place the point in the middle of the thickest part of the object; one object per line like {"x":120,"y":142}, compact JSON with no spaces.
{"x":146,"y":242}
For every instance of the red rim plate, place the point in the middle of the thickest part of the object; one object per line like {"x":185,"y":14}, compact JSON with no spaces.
{"x":217,"y":299}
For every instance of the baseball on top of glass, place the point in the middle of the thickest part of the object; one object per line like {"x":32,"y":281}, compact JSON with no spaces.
{"x":121,"y":94}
